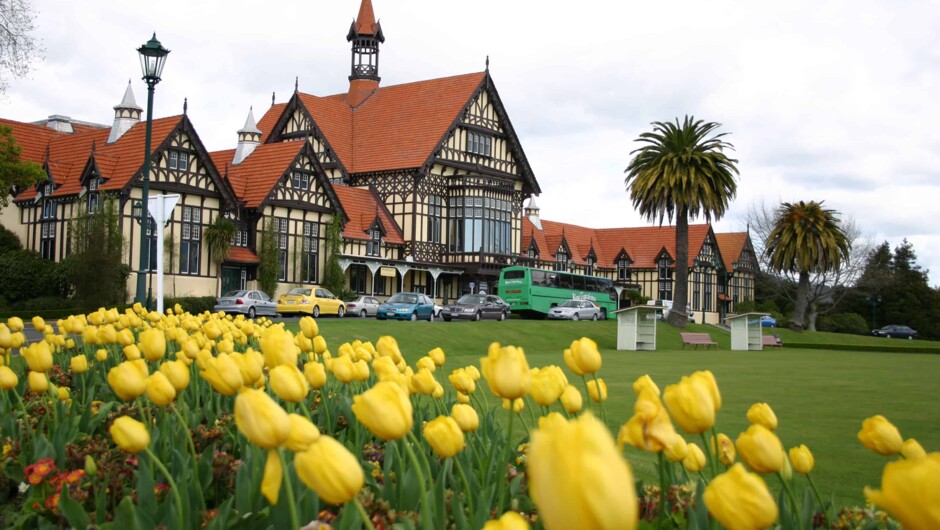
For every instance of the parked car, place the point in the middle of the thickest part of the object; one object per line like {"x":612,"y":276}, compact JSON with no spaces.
{"x":768,"y":321}
{"x":246,"y":302}
{"x":664,"y":305}
{"x":476,"y":307}
{"x":407,"y":306}
{"x":363,"y":306}
{"x":313,"y":301}
{"x":895,"y":332}
{"x":577,"y":310}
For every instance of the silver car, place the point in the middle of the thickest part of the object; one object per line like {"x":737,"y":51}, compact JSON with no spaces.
{"x":362,"y":306}
{"x":246,"y":302}
{"x":577,"y":310}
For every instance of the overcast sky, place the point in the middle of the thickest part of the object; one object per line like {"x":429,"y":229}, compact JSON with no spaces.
{"x":823,"y":100}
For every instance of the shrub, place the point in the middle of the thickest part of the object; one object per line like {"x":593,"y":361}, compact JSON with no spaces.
{"x":191,"y":304}
{"x":844,"y":323}
{"x":8,"y":240}
{"x":25,"y":275}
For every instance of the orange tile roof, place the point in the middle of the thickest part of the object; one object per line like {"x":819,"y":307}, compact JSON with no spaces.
{"x":642,"y":244}
{"x":256,"y":176}
{"x":730,"y":245}
{"x":241,"y":255}
{"x":266,"y":125}
{"x":362,"y":206}
{"x":365,"y":22}
{"x":33,"y":139}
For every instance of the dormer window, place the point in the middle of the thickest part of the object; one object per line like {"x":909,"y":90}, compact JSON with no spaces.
{"x":665,"y":278}
{"x":623,"y":270}
{"x":561,"y":259}
{"x":240,"y":239}
{"x":300,"y":180}
{"x":532,"y":252}
{"x":479,"y":143}
{"x":93,"y":203}
{"x":374,"y":245}
{"x":590,"y":266}
{"x":178,"y":160}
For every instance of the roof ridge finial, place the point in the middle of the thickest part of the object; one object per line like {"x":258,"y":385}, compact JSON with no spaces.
{"x":272,"y":98}
{"x":93,"y":146}
{"x":185,"y":106}
{"x":296,"y":84}
{"x":487,"y":63}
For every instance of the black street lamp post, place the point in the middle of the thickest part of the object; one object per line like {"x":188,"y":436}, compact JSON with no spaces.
{"x":152,"y":58}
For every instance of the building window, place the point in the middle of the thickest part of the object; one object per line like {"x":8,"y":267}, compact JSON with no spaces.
{"x":47,"y":241}
{"x":590,"y":266}
{"x":479,"y":143}
{"x":665,"y":279}
{"x":240,"y":239}
{"x":300,"y":180}
{"x":378,"y":286}
{"x":178,"y":160}
{"x":435,"y":207}
{"x":707,"y":301}
{"x":532,"y":252}
{"x":308,"y":261}
{"x":480,"y":224}
{"x":48,"y":209}
{"x":280,"y":226}
{"x":561,"y":259}
{"x":623,"y":270}
{"x":696,"y":289}
{"x":152,"y":245}
{"x":357,"y":278}
{"x":190,"y":241}
{"x":374,"y":245}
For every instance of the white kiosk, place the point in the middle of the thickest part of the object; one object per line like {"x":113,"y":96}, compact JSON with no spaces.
{"x":746,"y":331}
{"x":636,"y":328}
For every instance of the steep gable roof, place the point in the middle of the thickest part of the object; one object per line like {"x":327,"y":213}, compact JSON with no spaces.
{"x":731,"y":245}
{"x":362,"y":207}
{"x":254,"y":178}
{"x":33,"y":139}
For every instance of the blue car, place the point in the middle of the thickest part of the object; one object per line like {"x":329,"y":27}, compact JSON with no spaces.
{"x":407,"y":306}
{"x":768,"y":321}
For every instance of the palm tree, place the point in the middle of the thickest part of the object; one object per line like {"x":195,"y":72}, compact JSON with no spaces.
{"x":218,"y":236}
{"x":806,"y":238}
{"x":681,"y":172}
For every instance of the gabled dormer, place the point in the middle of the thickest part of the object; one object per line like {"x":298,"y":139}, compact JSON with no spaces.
{"x":590,"y":261}
{"x":375,"y":234}
{"x":623,"y":262}
{"x":533,"y":251}
{"x":562,"y":255}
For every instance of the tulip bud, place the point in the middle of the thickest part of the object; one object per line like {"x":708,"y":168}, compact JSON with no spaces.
{"x":466,"y":417}
{"x":79,"y":364}
{"x":128,"y":379}
{"x":309,"y":327}
{"x":39,"y":324}
{"x":385,"y":410}
{"x":261,"y":419}
{"x":910,"y":492}
{"x":101,"y":355}
{"x":302,"y":433}
{"x":801,"y":459}
{"x":288,"y":383}
{"x":38,"y":356}
{"x":692,"y":403}
{"x":597,"y":389}
{"x":723,"y":445}
{"x":437,"y":355}
{"x":223,"y":374}
{"x":38,"y":382}
{"x":423,"y":382}
{"x":63,"y":393}
{"x":739,"y":499}
{"x":694,"y":458}
{"x":329,"y":469}
{"x":760,"y":449}
{"x":8,"y":378}
{"x":278,"y":347}
{"x":462,"y":381}
{"x":15,"y":324}
{"x":462,"y":398}
{"x":509,"y":521}
{"x":547,"y":385}
{"x":159,"y":389}
{"x":880,"y":435}
{"x":583,"y":357}
{"x":315,"y":374}
{"x":507,"y":371}
{"x":762,"y":414}
{"x":571,"y":399}
{"x":912,"y":449}
{"x":444,"y":436}
{"x":177,"y":373}
{"x":91,"y":468}
{"x":129,"y":434}
{"x":343,"y":369}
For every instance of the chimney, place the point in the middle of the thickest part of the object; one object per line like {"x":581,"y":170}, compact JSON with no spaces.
{"x":126,"y":115}
{"x":60,"y":123}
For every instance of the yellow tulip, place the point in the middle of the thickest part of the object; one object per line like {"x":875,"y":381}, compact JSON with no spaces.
{"x":506,"y":371}
{"x":694,"y":458}
{"x":38,"y":382}
{"x":437,"y":355}
{"x":101,"y":355}
{"x":444,"y":436}
{"x":383,"y":366}
{"x":912,"y":449}
{"x":645,"y":382}
{"x":107,"y":334}
{"x":910,"y":492}
{"x":597,"y":389}
{"x":272,"y":478}
{"x":361,"y":369}
{"x":388,"y":346}
{"x":571,"y":399}
{"x":159,"y":389}
{"x":223,"y":374}
{"x":309,"y":327}
{"x":329,"y":469}
{"x":261,"y":419}
{"x":880,"y":435}
{"x":650,"y":428}
{"x":463,"y":398}
{"x":760,"y":449}
{"x":177,"y":373}
{"x":315,"y":374}
{"x":474,"y":373}
{"x":132,"y":352}
{"x":723,"y":445}
{"x":128,"y":379}
{"x":740,"y":500}
{"x":39,"y":324}
{"x":6,"y":337}
{"x":125,"y":337}
{"x":462,"y":381}
{"x":422,"y":382}
{"x":8,"y":378}
{"x":129,"y":434}
{"x":508,"y":521}
{"x":801,"y":458}
{"x":677,"y":450}
{"x":278,"y":347}
{"x":466,"y":417}
{"x":78,"y":364}
{"x":583,"y":357}
{"x":319,"y":345}
{"x":343,"y":369}
{"x":15,"y":324}
{"x":547,"y":385}
{"x":692,"y":404}
{"x":288,"y":383}
{"x":762,"y":414}
{"x":190,"y":348}
{"x":302,"y":433}
{"x":250,"y":364}
{"x":38,"y":356}
{"x":426,"y":363}
{"x":90,"y":335}
{"x":385,"y":410}
{"x":517,"y":405}
{"x":577,"y":476}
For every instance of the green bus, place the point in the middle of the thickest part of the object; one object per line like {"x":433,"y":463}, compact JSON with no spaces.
{"x":531,"y":293}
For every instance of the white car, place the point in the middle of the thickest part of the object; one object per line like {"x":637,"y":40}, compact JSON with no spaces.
{"x":577,"y":310}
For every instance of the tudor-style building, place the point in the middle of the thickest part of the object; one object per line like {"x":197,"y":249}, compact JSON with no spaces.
{"x":428,"y":179}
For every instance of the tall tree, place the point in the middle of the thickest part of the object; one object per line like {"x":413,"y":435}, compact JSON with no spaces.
{"x":681,"y":172}
{"x":269,"y":264}
{"x":334,"y":279}
{"x":806,"y":238}
{"x":95,"y":267}
{"x":218,"y":236}
{"x":14,"y":173}
{"x":18,"y":47}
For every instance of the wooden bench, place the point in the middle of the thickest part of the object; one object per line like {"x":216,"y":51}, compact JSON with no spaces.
{"x":772,"y":341}
{"x":697,"y":339}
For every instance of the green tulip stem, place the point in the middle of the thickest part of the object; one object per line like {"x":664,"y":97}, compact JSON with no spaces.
{"x":600,"y":402}
{"x":704,"y":479}
{"x":173,"y":486}
{"x":466,"y":484}
{"x":501,"y":477}
{"x":419,"y":469}
{"x":796,"y":508}
{"x":289,"y":488}
{"x":362,"y":512}
{"x":192,"y":449}
{"x":528,"y":405}
{"x":326,"y":412}
{"x":818,"y":498}
{"x":712,"y":453}
{"x":662,"y":485}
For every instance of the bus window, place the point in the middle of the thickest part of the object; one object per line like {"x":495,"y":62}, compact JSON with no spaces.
{"x":590,"y":284}
{"x":514,"y":274}
{"x":539,"y":277}
{"x":565,"y":281}
{"x":579,"y":283}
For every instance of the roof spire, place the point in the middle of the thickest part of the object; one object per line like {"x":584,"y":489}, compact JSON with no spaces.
{"x":249,"y":137}
{"x":126,"y":115}
{"x":272,"y":98}
{"x":365,"y":34}
{"x":185,"y":105}
{"x":296,"y":84}
{"x":487,"y":63}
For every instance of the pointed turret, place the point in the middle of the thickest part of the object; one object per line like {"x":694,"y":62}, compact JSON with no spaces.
{"x":249,"y":137}
{"x":126,"y":115}
{"x":366,"y":35}
{"x":532,"y":212}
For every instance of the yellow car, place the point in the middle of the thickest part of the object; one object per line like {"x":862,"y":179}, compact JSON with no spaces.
{"x":311,"y":301}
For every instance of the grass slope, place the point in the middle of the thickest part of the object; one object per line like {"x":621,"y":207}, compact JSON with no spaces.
{"x":820,"y":396}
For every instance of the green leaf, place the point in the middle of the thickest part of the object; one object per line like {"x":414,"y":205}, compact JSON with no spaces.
{"x":72,"y":511}
{"x":128,"y":517}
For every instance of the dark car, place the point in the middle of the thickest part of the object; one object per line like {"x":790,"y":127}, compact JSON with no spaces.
{"x":895,"y":332}
{"x":246,"y":302}
{"x":407,"y":306}
{"x":476,"y":307}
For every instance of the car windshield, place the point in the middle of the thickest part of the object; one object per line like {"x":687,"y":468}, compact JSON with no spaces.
{"x":352,"y":298}
{"x":299,"y":291}
{"x":401,"y":298}
{"x":235,"y":294}
{"x":570,"y":303}
{"x":472,"y":299}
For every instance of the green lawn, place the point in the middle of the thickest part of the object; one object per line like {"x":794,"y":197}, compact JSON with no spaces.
{"x":820,"y":396}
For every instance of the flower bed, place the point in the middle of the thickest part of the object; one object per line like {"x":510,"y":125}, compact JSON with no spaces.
{"x":136,"y":419}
